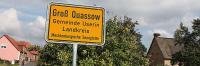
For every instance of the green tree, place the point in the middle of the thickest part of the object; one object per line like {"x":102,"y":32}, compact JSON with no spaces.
{"x":55,"y":54}
{"x":190,"y":40}
{"x":34,"y":47}
{"x":123,"y":47}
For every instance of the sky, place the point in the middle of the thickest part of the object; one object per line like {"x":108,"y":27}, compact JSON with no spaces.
{"x":25,"y":19}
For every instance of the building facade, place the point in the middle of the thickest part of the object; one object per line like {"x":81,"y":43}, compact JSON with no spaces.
{"x":161,"y":51}
{"x":12,"y":50}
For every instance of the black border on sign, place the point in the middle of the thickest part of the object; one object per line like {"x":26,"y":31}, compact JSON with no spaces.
{"x":77,"y":42}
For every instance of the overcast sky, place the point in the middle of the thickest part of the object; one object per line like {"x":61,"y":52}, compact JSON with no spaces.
{"x":25,"y":19}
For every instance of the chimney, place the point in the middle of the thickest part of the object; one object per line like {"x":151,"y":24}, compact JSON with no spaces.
{"x":156,"y":34}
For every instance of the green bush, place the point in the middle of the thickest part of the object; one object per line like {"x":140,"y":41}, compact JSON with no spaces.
{"x":4,"y":61}
{"x":1,"y":61}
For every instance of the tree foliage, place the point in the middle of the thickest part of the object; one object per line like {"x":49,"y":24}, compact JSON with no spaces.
{"x":34,"y":47}
{"x":190,"y":55}
{"x":55,"y":54}
{"x":123,"y":47}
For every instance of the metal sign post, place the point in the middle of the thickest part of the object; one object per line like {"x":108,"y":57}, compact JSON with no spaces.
{"x":75,"y":47}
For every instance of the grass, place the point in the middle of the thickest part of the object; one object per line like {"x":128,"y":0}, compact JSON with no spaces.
{"x":9,"y":64}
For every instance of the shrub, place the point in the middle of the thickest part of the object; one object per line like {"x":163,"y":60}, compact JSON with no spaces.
{"x":1,"y":61}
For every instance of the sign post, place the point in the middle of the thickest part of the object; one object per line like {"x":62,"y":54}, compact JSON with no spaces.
{"x":75,"y":24}
{"x":75,"y":47}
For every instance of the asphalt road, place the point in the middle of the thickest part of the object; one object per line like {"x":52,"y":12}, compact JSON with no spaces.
{"x":30,"y":64}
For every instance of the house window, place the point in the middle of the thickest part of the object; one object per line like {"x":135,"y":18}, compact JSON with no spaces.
{"x":3,"y":46}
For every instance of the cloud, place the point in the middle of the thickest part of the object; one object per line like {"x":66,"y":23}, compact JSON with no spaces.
{"x":9,"y":22}
{"x":36,"y":30}
{"x":28,"y":10}
{"x":188,"y":18}
{"x":162,"y":16}
{"x":142,"y":21}
{"x":31,"y":31}
{"x":38,"y":23}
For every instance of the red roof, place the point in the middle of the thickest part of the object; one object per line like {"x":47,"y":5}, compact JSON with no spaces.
{"x":34,"y":52}
{"x":18,"y":44}
{"x":15,"y":43}
{"x":25,"y":44}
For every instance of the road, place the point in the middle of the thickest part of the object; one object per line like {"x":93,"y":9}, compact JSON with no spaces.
{"x":30,"y":64}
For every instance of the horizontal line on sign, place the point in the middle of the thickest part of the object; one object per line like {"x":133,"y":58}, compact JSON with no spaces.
{"x":78,"y":6}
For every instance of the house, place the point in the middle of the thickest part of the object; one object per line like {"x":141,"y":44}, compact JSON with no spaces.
{"x":161,"y":50}
{"x":12,"y":50}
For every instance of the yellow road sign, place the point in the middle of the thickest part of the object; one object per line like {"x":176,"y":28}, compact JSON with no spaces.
{"x":75,"y":24}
